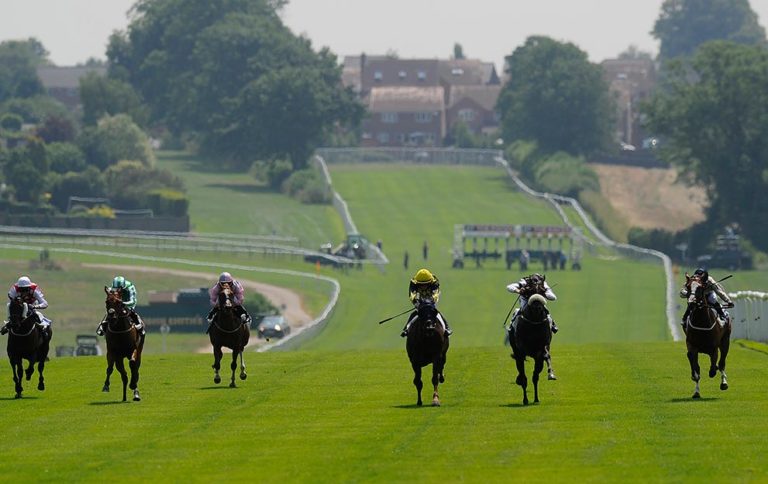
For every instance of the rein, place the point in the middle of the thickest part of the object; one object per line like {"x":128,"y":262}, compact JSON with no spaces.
{"x":10,"y":329}
{"x":130,"y":327}
{"x":215,"y":323}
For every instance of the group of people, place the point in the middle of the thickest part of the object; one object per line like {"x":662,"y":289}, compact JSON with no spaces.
{"x":31,"y":294}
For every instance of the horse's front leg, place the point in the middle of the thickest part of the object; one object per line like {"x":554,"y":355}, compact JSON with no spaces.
{"x":30,"y":368}
{"x":725,"y":345}
{"x":120,"y":364}
{"x":436,"y":374}
{"x":537,"y":369}
{"x":18,"y":373}
{"x":110,"y":368}
{"x":417,"y":382}
{"x":243,"y":375}
{"x":693,"y":359}
{"x":40,"y":379}
{"x":522,"y":380}
{"x":233,"y":366}
{"x":713,"y":363}
{"x":550,"y":371}
{"x":217,"y":354}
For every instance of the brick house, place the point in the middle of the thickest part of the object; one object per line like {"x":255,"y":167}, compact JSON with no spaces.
{"x":475,"y":106}
{"x":631,"y":81}
{"x":405,"y":116}
{"x":63,"y":83}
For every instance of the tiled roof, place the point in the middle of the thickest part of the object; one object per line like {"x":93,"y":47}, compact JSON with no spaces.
{"x":485,"y":96}
{"x":65,"y":77}
{"x":406,"y":99}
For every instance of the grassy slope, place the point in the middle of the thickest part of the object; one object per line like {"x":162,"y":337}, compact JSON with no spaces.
{"x":405,"y":205}
{"x":619,"y":412}
{"x":233,"y":202}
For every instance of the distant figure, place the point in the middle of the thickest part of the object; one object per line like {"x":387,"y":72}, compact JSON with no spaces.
{"x":525,"y":257}
{"x":425,"y":250}
{"x":379,"y":244}
{"x":405,"y":260}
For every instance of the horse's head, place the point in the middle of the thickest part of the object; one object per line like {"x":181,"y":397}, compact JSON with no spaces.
{"x":225,"y":296}
{"x":114,"y":303}
{"x":427,"y":315}
{"x":18,"y":310}
{"x":536,"y":309}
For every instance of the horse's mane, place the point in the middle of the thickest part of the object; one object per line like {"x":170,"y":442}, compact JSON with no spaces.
{"x":538,"y":298}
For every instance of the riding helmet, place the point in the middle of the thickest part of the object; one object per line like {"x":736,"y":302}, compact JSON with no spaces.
{"x":225,"y":277}
{"x":423,"y":276}
{"x":23,"y":281}
{"x":118,"y":282}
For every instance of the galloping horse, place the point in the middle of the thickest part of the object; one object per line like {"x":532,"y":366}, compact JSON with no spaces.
{"x":123,"y":341}
{"x":427,"y":344}
{"x":705,"y":334}
{"x":230,"y":331}
{"x":531,"y":337}
{"x":26,"y":340}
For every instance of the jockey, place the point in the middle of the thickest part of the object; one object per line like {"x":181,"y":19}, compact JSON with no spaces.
{"x":711,"y":288}
{"x":424,"y":289}
{"x":30,"y":293}
{"x":239,"y":293}
{"x":127,"y":292}
{"x":528,"y":286}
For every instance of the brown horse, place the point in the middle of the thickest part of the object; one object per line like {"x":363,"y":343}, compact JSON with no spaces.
{"x":228,"y":330}
{"x":26,"y":341}
{"x":531,"y":337}
{"x":704,"y":333}
{"x":427,"y":344}
{"x":123,"y":341}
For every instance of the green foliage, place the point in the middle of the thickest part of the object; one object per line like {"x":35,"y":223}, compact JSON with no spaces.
{"x":462,"y":137}
{"x":566,"y":175}
{"x":232,"y":72}
{"x":605,"y":216}
{"x":556,"y":97}
{"x":87,"y":183}
{"x":18,"y":63}
{"x":97,"y":211}
{"x":712,"y":116}
{"x":165,"y":201}
{"x":116,"y":138}
{"x":57,"y":128}
{"x":521,"y":153}
{"x":272,"y":172}
{"x":25,"y":171}
{"x":10,"y":122}
{"x":130,"y":183}
{"x":308,"y":186}
{"x":684,"y":25}
{"x":102,"y":96}
{"x":35,"y":109}
{"x":65,"y":157}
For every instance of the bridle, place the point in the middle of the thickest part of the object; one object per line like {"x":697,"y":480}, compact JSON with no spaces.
{"x":24,"y":316}
{"x":701,"y":303}
{"x":116,"y":313}
{"x":227,"y":293}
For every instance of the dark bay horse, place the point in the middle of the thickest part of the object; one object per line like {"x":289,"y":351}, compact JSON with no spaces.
{"x":427,"y":344}
{"x":531,"y":337}
{"x":26,"y":341}
{"x":228,"y":330}
{"x":123,"y":341}
{"x":704,"y":333}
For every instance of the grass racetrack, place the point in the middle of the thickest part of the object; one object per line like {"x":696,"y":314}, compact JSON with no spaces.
{"x":619,"y":412}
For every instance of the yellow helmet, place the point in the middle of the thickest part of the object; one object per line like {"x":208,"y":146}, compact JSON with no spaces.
{"x":423,"y":277}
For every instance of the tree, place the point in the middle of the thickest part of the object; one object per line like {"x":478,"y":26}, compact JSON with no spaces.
{"x":57,"y":129}
{"x":114,"y":139}
{"x":103,"y":96}
{"x":65,"y":157}
{"x":555,"y":97}
{"x":458,"y":51}
{"x":684,"y":25}
{"x":18,"y":68}
{"x":26,"y":171}
{"x":713,"y":118}
{"x":229,"y":69}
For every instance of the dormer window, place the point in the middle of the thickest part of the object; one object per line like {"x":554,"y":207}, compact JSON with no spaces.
{"x":378,"y":76}
{"x":401,"y":75}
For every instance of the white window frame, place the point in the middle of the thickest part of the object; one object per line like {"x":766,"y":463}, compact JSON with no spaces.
{"x":423,"y":117}
{"x":389,"y":117}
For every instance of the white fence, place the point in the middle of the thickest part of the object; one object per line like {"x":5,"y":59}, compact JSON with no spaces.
{"x":750,"y":315}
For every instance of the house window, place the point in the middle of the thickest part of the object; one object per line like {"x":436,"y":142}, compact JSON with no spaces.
{"x":423,"y":117}
{"x":457,"y":71}
{"x":401,"y":74}
{"x":421,"y":75}
{"x":378,"y":76}
{"x":388,"y":117}
{"x":383,"y":138}
{"x":467,"y":115}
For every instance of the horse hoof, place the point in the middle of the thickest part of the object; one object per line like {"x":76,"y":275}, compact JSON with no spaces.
{"x":217,"y":380}
{"x":243,"y":376}
{"x":723,"y":386}
{"x":136,"y":397}
{"x":442,"y":379}
{"x":232,"y":385}
{"x":551,"y":376}
{"x":525,"y":402}
{"x":419,"y":403}
{"x":18,"y":395}
{"x":105,"y":389}
{"x":712,"y":373}
{"x":435,"y":403}
{"x":696,"y":395}
{"x":41,"y":386}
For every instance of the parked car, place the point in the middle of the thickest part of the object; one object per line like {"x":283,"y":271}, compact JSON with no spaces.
{"x":87,"y":345}
{"x":273,"y":327}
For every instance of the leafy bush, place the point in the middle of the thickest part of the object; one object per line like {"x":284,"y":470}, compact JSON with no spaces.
{"x":97,"y":211}
{"x":272,"y":172}
{"x":11,"y":122}
{"x":520,"y":153}
{"x":65,"y":157}
{"x":89,"y":183}
{"x":35,"y":109}
{"x":114,"y":139}
{"x":566,"y":175}
{"x":165,"y":201}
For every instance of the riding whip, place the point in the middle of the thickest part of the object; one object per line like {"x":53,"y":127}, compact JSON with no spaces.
{"x":504,"y":324}
{"x":396,"y":315}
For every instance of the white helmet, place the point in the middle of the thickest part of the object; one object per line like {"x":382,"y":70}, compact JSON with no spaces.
{"x":24,"y":281}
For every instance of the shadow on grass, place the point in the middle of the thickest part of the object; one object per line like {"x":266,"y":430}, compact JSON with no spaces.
{"x":14,"y":398}
{"x":111,"y":402}
{"x":218,"y":387}
{"x":413,"y":406}
{"x":518,"y":405}
{"x":250,"y":188}
{"x":693,"y":400}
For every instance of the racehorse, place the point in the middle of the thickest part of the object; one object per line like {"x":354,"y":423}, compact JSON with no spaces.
{"x":705,"y":334}
{"x":123,"y":341}
{"x":427,"y":344}
{"x":531,"y":337}
{"x":26,"y":340}
{"x":230,"y":331}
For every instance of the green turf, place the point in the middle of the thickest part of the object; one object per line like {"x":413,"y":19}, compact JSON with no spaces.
{"x":618,"y":413}
{"x":225,"y":201}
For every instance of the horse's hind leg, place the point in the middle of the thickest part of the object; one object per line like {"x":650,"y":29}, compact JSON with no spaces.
{"x":134,"y":385}
{"x":550,"y":371}
{"x":110,"y":368}
{"x":233,"y":366}
{"x":436,"y":374}
{"x":41,"y":379}
{"x":417,"y":382}
{"x":537,"y":369}
{"x":243,"y":375}
{"x":30,"y":369}
{"x":120,"y":364}
{"x":522,"y":380}
{"x":713,"y":363}
{"x":693,"y":359}
{"x":725,"y":345}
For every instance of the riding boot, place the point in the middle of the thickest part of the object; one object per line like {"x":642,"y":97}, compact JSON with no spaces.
{"x":552,"y":325}
{"x":404,"y":332}
{"x":684,"y":320}
{"x":209,"y":318}
{"x":720,"y":311}
{"x":448,"y":330}
{"x":100,"y":328}
{"x":4,"y":329}
{"x":138,"y":323}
